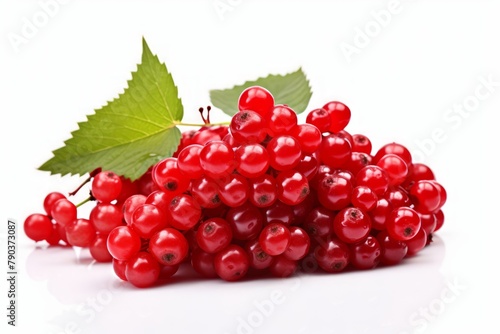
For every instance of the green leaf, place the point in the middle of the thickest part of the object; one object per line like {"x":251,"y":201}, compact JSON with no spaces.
{"x":292,"y":89}
{"x":130,"y":133}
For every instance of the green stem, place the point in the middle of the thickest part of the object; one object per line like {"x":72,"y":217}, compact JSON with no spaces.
{"x":88,"y":199}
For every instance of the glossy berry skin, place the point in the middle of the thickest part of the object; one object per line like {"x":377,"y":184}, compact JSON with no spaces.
{"x":248,"y":127}
{"x":361,"y":143}
{"x":319,"y":222}
{"x":395,"y":167}
{"x":358,"y":161}
{"x":80,"y":233}
{"x":106,"y":186}
{"x":213,"y":235}
{"x":397,"y":197}
{"x":160,"y":199}
{"x":142,"y":270}
{"x":123,"y":242}
{"x":334,"y":192}
{"x":99,"y":250}
{"x":308,"y":166}
{"x":284,"y":152}
{"x":299,"y":244}
{"x":393,"y":251}
{"x":351,"y":225}
{"x":308,"y":136}
{"x":257,"y":257}
{"x":335,"y":151}
{"x":366,"y":254}
{"x":205,"y":192}
{"x":130,"y":204}
{"x":417,"y":243}
{"x":374,"y":178}
{"x":428,"y":222}
{"x":442,"y":194}
{"x":282,"y":120}
{"x":332,"y":255}
{"x":439,"y":220}
{"x":105,"y":217}
{"x":147,"y":219}
{"x":292,"y":187}
{"x":403,"y":223}
{"x":417,"y":172}
{"x":54,"y":237}
{"x":252,"y":160}
{"x":282,"y":267}
{"x":279,"y":212}
{"x":217,"y":158}
{"x":184,"y":212}
{"x":274,"y":239}
{"x":263,"y":191}
{"x":119,"y":269}
{"x":380,"y":214}
{"x":188,"y":161}
{"x":340,"y":115}
{"x":246,"y":221}
{"x":231,"y":264}
{"x":425,"y":196}
{"x":169,"y":178}
{"x":203,"y":263}
{"x":320,"y":118}
{"x":258,"y":99}
{"x":63,"y":212}
{"x":364,"y":198}
{"x":394,"y":148}
{"x":50,"y":200}
{"x":168,"y":246}
{"x":233,"y":190}
{"x":37,"y":227}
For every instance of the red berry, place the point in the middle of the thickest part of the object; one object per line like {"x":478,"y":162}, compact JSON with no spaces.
{"x":203,"y":263}
{"x":169,"y":178}
{"x":274,"y":239}
{"x":252,"y":160}
{"x":335,"y":151}
{"x":248,"y":127}
{"x":123,"y":242}
{"x":99,"y":249}
{"x":340,"y":115}
{"x":364,"y":198}
{"x":142,"y":270}
{"x":426,"y":196}
{"x":393,"y":251}
{"x":292,"y":187}
{"x":308,"y":136}
{"x":403,"y":223}
{"x":231,"y":264}
{"x":263,"y":191}
{"x":217,"y":158}
{"x":394,"y":148}
{"x":246,"y":221}
{"x":147,"y":219}
{"x":361,"y":143}
{"x":188,"y":161}
{"x":320,"y":118}
{"x":366,"y":254}
{"x":233,"y":190}
{"x":80,"y":233}
{"x":63,"y":212}
{"x":284,"y":152}
{"x":106,"y":186}
{"x":374,"y":178}
{"x":282,"y":266}
{"x":417,"y":243}
{"x":38,"y":227}
{"x":351,"y":225}
{"x":258,"y":99}
{"x":105,"y":217}
{"x":184,"y":212}
{"x":299,"y":244}
{"x":213,"y":235}
{"x":50,"y":200}
{"x":332,"y":255}
{"x":334,"y":192}
{"x":168,"y":246}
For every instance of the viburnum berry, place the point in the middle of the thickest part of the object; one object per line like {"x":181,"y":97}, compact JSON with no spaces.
{"x":184,"y":212}
{"x":168,"y":246}
{"x":258,"y":259}
{"x":299,"y":244}
{"x":231,"y":263}
{"x":282,"y":266}
{"x":106,"y":186}
{"x":188,"y":161}
{"x":340,"y":115}
{"x":169,"y":178}
{"x":246,"y":221}
{"x":105,"y":217}
{"x":308,"y":136}
{"x":213,"y":235}
{"x":252,"y":160}
{"x":417,"y":243}
{"x":203,"y":263}
{"x":374,"y":178}
{"x":361,"y":143}
{"x":366,"y":254}
{"x":80,"y":233}
{"x":393,"y":251}
{"x":263,"y":191}
{"x":332,"y":255}
{"x":319,"y":222}
{"x":248,"y":127}
{"x":147,"y":219}
{"x":335,"y":151}
{"x":205,"y":192}
{"x":292,"y":187}
{"x":63,"y":212}
{"x":395,"y":167}
{"x":142,"y":270}
{"x":50,"y":200}
{"x":403,"y":223}
{"x":130,"y":205}
{"x":364,"y":198}
{"x":279,"y":212}
{"x":334,"y":192}
{"x":351,"y":225}
{"x":99,"y":250}
{"x":426,"y":196}
{"x":281,"y":120}
{"x":217,"y":158}
{"x":38,"y":227}
{"x":257,"y":99}
{"x":394,"y":148}
{"x":320,"y":118}
{"x":123,"y":242}
{"x":274,"y":239}
{"x":284,"y":152}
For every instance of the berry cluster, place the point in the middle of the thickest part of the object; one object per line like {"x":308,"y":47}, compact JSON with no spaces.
{"x":263,"y":194}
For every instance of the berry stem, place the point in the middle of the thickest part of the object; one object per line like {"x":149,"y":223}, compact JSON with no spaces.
{"x":87,"y":180}
{"x":88,"y":199}
{"x":197,"y":124}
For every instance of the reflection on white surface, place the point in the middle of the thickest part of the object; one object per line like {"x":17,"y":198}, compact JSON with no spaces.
{"x":406,"y":298}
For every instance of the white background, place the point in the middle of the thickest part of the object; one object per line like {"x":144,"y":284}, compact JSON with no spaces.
{"x":427,"y":58}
